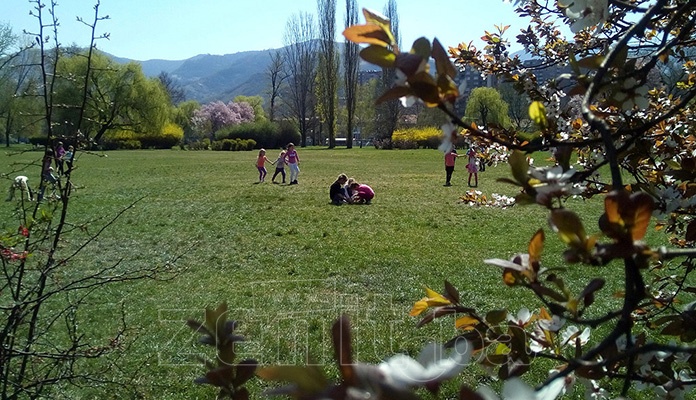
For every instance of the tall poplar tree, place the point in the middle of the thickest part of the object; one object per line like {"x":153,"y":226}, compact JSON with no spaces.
{"x":351,"y":64}
{"x":301,"y":60}
{"x":327,"y":28}
{"x":388,"y":111}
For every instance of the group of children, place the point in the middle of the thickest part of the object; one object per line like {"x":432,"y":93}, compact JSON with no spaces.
{"x":345,"y":190}
{"x":348,"y":191}
{"x":287,"y":157}
{"x":63,"y":160}
{"x":471,"y":166}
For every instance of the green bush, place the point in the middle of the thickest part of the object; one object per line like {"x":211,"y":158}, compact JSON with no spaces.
{"x":424,"y":138}
{"x":171,"y":135}
{"x":38,"y":140}
{"x":233,"y":145}
{"x":264,"y":134}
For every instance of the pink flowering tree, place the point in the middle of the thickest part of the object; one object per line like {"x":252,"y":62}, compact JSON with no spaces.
{"x":214,"y":116}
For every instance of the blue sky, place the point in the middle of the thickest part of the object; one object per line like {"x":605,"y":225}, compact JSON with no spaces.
{"x":179,"y":29}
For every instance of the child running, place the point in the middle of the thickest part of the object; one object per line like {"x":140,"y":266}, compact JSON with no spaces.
{"x":280,"y":166}
{"x":261,"y":165}
{"x":293,"y":160}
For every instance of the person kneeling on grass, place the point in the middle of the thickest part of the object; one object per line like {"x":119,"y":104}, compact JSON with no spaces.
{"x":337,"y":191}
{"x":362,"y":194}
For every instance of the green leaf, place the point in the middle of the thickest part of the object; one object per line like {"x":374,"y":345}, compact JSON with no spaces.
{"x":423,"y":86}
{"x":569,"y":228}
{"x":496,"y":316}
{"x":520,"y":167}
{"x":592,"y":62}
{"x":378,"y":55}
{"x":421,"y":47}
{"x":537,"y":113}
{"x":308,"y":379}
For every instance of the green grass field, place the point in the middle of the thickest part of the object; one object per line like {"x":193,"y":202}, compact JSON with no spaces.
{"x":286,"y":261}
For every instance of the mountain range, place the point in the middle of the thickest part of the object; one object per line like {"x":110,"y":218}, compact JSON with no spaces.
{"x":208,"y":77}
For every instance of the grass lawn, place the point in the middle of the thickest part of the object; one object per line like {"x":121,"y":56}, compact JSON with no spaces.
{"x":286,"y":261}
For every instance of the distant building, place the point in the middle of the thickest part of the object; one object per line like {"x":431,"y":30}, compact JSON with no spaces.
{"x":365,"y":76}
{"x":474,"y":79}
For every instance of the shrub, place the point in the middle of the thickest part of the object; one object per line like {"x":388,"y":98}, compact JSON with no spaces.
{"x":263,"y":133}
{"x":117,"y":140}
{"x":413,"y":138}
{"x":171,"y":135}
{"x":233,"y":145}
{"x":38,"y":140}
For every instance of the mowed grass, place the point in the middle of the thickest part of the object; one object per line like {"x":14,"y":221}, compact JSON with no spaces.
{"x":286,"y":261}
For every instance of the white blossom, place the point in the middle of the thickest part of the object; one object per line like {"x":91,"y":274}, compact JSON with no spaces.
{"x":523,"y":316}
{"x":570,"y":335}
{"x":434,"y":364}
{"x":585,"y":13}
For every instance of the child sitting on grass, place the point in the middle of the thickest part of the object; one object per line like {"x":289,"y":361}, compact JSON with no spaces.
{"x":337,"y":191}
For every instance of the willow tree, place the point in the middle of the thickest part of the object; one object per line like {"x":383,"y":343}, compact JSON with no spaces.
{"x":485,"y":106}
{"x":118,"y":97}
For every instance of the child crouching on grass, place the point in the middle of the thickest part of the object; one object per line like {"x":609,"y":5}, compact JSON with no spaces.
{"x":362,"y":194}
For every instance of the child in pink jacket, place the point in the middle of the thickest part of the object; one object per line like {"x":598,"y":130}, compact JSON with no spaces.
{"x":362,"y":193}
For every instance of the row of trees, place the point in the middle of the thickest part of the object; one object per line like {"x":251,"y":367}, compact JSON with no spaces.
{"x":127,"y":109}
{"x":305,"y":82}
{"x":114,"y":105}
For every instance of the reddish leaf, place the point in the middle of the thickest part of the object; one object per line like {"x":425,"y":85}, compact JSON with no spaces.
{"x":410,"y":65}
{"x":643,"y":205}
{"x":467,"y":394}
{"x":451,"y":293}
{"x":674,"y":328}
{"x":536,"y":245}
{"x":510,"y":277}
{"x":342,"y":348}
{"x":369,"y":34}
{"x":691,"y":231}
{"x":443,"y":65}
{"x":588,"y":292}
{"x":241,"y":394}
{"x":394,"y":93}
{"x":245,"y":371}
{"x":425,"y":88}
{"x":612,"y":206}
